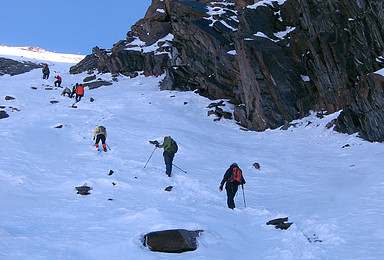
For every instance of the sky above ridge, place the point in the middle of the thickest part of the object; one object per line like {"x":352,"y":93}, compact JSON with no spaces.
{"x":68,"y":26}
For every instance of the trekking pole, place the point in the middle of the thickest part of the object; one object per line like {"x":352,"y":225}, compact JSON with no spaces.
{"x":179,"y":168}
{"x":150,"y":156}
{"x":108,"y":146}
{"x":242,"y":186}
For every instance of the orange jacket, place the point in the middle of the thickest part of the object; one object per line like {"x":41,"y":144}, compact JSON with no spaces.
{"x":80,"y":90}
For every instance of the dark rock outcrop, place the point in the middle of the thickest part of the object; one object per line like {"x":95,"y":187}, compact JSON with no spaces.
{"x":83,"y":190}
{"x":3,"y":114}
{"x":9,"y":98}
{"x":274,"y":62}
{"x":97,"y":84}
{"x":12,"y":67}
{"x":172,"y":241}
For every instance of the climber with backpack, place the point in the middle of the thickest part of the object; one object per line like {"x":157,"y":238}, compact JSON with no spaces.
{"x":233,"y":177}
{"x":45,"y":71}
{"x":74,"y":90}
{"x":170,"y":148}
{"x":100,"y":134}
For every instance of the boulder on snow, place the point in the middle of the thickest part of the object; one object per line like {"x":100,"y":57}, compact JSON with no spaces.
{"x":97,"y":84}
{"x":279,"y":223}
{"x":89,"y":78}
{"x":83,"y":190}
{"x":169,"y":188}
{"x":172,"y":241}
{"x":256,"y":165}
{"x":9,"y":98}
{"x":3,"y":114}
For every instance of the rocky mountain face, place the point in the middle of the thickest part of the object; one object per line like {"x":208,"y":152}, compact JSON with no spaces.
{"x":274,"y":60}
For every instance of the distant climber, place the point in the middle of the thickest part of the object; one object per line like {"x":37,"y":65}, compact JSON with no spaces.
{"x":170,"y":148}
{"x":100,"y":134}
{"x":66,"y":91}
{"x":79,"y":92}
{"x":58,"y":81}
{"x":74,"y":90}
{"x":45,"y":71}
{"x":233,"y":178}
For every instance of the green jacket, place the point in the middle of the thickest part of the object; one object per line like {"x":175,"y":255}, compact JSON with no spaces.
{"x":166,"y":145}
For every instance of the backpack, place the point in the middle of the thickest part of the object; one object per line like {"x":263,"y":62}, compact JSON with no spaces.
{"x":236,"y":176}
{"x":102,"y":130}
{"x":173,"y":148}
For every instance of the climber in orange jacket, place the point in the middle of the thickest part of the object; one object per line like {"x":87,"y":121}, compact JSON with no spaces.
{"x":79,"y":92}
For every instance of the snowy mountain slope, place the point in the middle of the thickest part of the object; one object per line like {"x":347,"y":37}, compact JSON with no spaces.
{"x":38,"y":53}
{"x":306,"y":174}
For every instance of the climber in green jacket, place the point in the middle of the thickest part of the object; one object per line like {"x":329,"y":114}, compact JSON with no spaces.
{"x":170,"y":148}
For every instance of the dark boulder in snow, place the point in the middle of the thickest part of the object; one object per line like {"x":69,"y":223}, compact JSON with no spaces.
{"x":9,"y":98}
{"x":277,"y":221}
{"x":280,"y":223}
{"x":3,"y":114}
{"x":89,"y":78}
{"x":97,"y":84}
{"x":83,"y":190}
{"x":172,"y":241}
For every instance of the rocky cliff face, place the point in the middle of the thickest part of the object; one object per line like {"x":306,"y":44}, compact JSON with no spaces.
{"x":275,"y":60}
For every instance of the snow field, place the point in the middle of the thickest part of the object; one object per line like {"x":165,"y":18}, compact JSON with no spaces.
{"x":333,"y":192}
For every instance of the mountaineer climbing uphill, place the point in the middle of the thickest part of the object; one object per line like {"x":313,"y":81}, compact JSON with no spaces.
{"x":233,"y":177}
{"x":45,"y":71}
{"x":79,"y":92}
{"x":170,"y":148}
{"x":58,"y":81}
{"x":100,"y":134}
{"x":74,"y":90}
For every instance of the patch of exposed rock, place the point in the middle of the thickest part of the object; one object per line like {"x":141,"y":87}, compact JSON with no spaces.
{"x":12,"y":67}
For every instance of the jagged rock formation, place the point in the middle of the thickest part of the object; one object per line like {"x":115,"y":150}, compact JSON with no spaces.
{"x":275,"y":60}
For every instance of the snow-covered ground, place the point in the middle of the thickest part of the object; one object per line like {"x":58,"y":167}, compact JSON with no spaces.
{"x":330,"y":185}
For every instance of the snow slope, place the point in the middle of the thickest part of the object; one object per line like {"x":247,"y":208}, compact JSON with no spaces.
{"x":333,"y":192}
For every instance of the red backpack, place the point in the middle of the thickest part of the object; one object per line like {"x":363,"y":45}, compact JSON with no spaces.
{"x":236,"y":176}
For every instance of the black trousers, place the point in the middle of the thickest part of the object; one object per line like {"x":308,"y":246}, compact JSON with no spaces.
{"x":231,"y":192}
{"x":100,"y":137}
{"x":58,"y":83}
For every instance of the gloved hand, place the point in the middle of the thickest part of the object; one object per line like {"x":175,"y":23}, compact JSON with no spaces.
{"x":221,"y":187}
{"x":93,"y":138}
{"x":157,"y":145}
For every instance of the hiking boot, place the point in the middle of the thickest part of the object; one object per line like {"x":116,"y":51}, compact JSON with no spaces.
{"x":105,"y":149}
